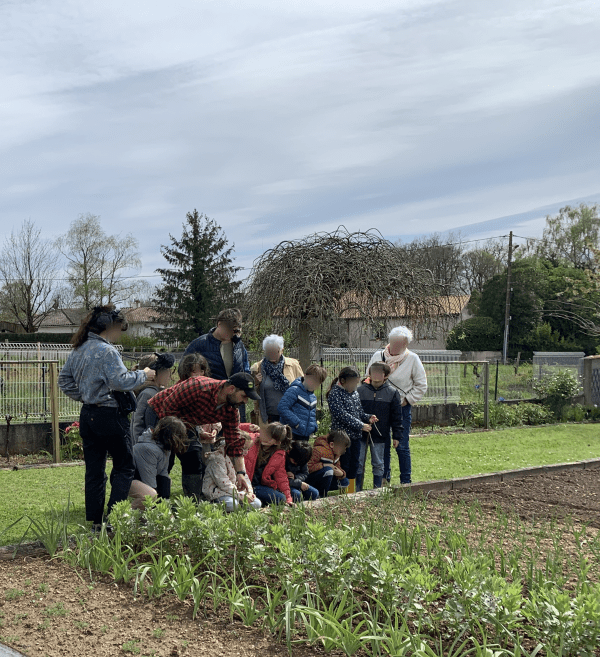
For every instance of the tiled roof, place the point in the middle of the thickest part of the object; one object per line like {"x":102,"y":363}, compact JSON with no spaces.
{"x":70,"y":317}
{"x":451,"y":305}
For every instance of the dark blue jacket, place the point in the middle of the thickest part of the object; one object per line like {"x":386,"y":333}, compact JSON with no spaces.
{"x":210,"y":348}
{"x":300,"y":473}
{"x":384,"y":402}
{"x":346,"y":412}
{"x":298,"y":408}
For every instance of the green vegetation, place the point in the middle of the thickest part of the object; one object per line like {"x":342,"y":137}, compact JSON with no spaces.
{"x":437,"y":456}
{"x":396,"y":576}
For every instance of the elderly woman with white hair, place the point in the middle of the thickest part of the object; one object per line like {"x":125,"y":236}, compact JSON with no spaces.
{"x":274,"y":373}
{"x":409,"y":378}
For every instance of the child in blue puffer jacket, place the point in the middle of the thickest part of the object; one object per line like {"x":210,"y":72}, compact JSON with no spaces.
{"x":298,"y":406}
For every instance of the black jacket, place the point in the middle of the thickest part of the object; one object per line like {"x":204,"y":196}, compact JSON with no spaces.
{"x":300,"y":473}
{"x":385,"y":403}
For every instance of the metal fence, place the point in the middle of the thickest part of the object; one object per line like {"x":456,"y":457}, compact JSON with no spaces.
{"x":551,"y":362}
{"x":26,"y":392}
{"x":443,"y":369}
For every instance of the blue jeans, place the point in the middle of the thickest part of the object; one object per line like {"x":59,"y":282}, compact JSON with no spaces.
{"x":378,"y":451}
{"x":403,"y":449}
{"x":268,"y":495}
{"x":309,"y":494}
{"x":324,"y":481}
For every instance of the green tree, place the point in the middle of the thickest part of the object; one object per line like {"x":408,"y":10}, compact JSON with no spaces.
{"x":200,"y":280}
{"x":571,"y":236}
{"x":529,"y":288}
{"x":475,"y":334}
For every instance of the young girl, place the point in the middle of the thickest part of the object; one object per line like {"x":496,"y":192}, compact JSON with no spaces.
{"x":151,"y":459}
{"x":347,"y":415}
{"x":193,"y":365}
{"x":219,"y":483}
{"x":265,"y":464}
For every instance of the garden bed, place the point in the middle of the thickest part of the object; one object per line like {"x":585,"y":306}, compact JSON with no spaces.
{"x":490,"y":563}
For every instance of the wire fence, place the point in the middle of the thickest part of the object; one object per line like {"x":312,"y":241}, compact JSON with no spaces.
{"x":26,"y":393}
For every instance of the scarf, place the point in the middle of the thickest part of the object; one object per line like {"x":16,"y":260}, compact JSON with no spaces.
{"x":275,"y":373}
{"x":393,"y":361}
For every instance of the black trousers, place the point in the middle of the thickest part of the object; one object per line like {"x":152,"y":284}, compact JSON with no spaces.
{"x":191,"y":459}
{"x":105,"y":431}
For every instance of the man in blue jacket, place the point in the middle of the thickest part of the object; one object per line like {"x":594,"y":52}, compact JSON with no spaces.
{"x":223,"y":348}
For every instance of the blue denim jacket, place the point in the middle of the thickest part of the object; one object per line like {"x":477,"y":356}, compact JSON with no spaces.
{"x":93,"y":370}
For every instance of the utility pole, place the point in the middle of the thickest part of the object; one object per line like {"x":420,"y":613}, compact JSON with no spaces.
{"x":507,"y":307}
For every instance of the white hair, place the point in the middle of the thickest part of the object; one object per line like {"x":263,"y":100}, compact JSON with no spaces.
{"x":401,"y":332}
{"x":274,"y":341}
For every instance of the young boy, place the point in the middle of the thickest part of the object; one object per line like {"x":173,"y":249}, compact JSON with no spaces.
{"x":325,"y":473}
{"x":379,"y":398}
{"x":298,"y":406}
{"x":296,"y":466}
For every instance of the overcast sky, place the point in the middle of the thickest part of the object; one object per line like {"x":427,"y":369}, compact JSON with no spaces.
{"x":278,"y":119}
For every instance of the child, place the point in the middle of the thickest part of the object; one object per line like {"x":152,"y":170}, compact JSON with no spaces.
{"x":378,"y":397}
{"x":298,"y":406}
{"x":296,"y":465}
{"x":323,"y":465}
{"x":144,"y":417}
{"x":151,"y":459}
{"x":347,"y":414}
{"x":192,"y":365}
{"x":219,"y":483}
{"x":265,"y":464}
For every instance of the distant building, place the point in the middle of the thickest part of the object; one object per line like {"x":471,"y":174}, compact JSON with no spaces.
{"x":142,"y":320}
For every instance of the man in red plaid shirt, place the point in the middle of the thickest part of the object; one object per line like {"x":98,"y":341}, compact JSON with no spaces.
{"x":200,"y":400}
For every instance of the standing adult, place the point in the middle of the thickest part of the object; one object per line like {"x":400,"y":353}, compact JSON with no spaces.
{"x":409,"y":378}
{"x":223,"y":348}
{"x":94,"y":374}
{"x":274,"y":374}
{"x":197,"y":401}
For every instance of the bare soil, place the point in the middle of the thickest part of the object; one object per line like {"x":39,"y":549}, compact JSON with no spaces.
{"x":49,"y":609}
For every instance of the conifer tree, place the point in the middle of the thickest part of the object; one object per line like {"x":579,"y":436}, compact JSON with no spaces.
{"x":199,"y":281}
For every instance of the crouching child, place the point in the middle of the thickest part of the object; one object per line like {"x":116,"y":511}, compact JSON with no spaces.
{"x":296,"y":466}
{"x":324,"y":470}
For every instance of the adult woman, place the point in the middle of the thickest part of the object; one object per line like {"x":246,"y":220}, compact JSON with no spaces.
{"x":93,"y":374}
{"x":409,"y":378}
{"x":274,"y":373}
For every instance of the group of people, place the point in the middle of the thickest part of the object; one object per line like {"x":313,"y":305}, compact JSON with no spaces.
{"x":144,"y":421}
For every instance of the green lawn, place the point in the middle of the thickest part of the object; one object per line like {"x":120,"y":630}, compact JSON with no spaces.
{"x":30,"y":492}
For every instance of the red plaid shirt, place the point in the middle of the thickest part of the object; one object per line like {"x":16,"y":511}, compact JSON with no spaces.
{"x":194,"y":401}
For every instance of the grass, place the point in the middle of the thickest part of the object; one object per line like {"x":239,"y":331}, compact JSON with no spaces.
{"x":433,"y":456}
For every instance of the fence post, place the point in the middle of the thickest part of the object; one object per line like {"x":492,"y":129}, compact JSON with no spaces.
{"x":54,"y":412}
{"x":486,"y":395}
{"x":587,"y":380}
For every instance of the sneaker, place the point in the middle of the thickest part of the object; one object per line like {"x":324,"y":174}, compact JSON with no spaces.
{"x":98,"y":526}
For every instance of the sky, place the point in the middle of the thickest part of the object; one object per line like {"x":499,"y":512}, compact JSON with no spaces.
{"x":280,"y":119}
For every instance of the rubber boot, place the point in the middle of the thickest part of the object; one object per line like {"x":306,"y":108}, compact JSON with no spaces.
{"x":358,"y":485}
{"x":192,"y":486}
{"x":351,"y":486}
{"x":377,"y":481}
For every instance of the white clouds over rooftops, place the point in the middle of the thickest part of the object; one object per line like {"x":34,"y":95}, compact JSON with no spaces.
{"x":279,"y":119}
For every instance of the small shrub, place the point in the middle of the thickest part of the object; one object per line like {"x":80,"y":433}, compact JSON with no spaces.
{"x":71,"y":448}
{"x":557,"y":390}
{"x":535,"y":414}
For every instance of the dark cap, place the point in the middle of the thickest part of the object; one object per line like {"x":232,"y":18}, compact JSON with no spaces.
{"x":244,"y":381}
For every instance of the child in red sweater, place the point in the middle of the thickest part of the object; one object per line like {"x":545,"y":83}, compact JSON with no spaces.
{"x":265,"y":464}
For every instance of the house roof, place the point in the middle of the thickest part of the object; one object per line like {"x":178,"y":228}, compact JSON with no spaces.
{"x":451,"y":305}
{"x":71,"y":317}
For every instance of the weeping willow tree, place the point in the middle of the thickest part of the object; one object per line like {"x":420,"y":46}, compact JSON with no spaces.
{"x":306,"y":285}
